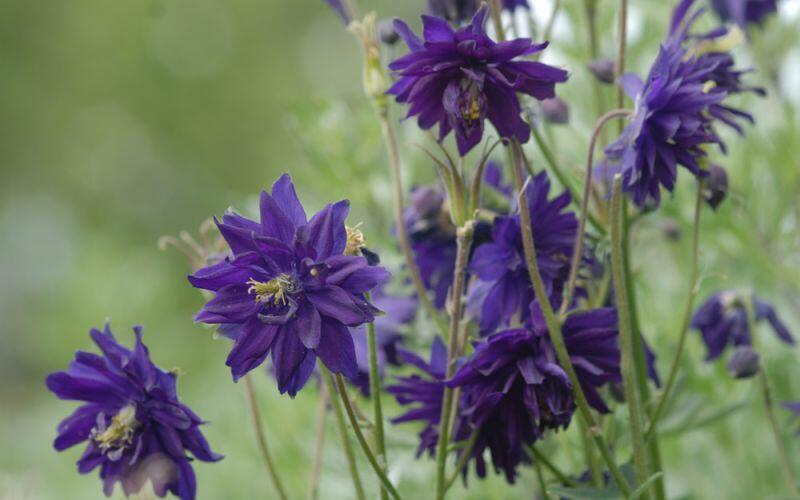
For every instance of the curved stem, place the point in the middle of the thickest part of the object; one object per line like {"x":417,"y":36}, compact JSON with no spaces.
{"x":341,"y":424}
{"x":375,"y":393}
{"x":577,"y":252}
{"x":540,"y":457}
{"x":553,"y":325}
{"x":319,"y":444}
{"x":687,"y":315}
{"x":402,"y":234}
{"x":626,"y":334}
{"x":262,"y":439}
{"x":351,"y":415}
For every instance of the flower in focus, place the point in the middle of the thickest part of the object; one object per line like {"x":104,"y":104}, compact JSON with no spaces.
{"x":513,"y":388}
{"x":675,"y":109}
{"x":460,"y":78}
{"x":136,"y":429}
{"x":398,"y":312}
{"x":722,"y":320}
{"x":289,"y":289}
{"x":340,"y":9}
{"x":744,"y":12}
{"x":503,"y":291}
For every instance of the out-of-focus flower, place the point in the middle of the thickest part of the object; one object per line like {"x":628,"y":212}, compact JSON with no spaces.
{"x":503,"y":291}
{"x":136,"y":429}
{"x":676,"y":108}
{"x":744,"y":362}
{"x":209,"y":249}
{"x":455,"y":11}
{"x":512,"y":5}
{"x":555,"y":110}
{"x":387,"y":33}
{"x":716,"y":186}
{"x":340,"y":9}
{"x":722,"y":320}
{"x":603,"y":69}
{"x":513,"y":388}
{"x":288,"y":289}
{"x":460,"y":78}
{"x":744,"y":12}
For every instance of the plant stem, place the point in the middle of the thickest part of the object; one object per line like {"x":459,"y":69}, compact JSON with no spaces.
{"x":591,"y":459}
{"x":687,"y":316}
{"x":319,"y":444}
{"x":351,"y":415}
{"x":620,"y":66}
{"x":540,"y":477}
{"x":626,"y":334}
{"x":463,"y":459}
{"x":553,"y":325}
{"x":341,"y":424}
{"x":262,"y":440}
{"x":375,"y":393}
{"x":402,"y":235}
{"x":463,"y":239}
{"x":577,"y":253}
{"x":540,"y":457}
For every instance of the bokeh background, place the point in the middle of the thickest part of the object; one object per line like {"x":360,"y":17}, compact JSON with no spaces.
{"x":121,"y":122}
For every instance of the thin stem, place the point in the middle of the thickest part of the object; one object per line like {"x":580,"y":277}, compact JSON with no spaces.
{"x":540,"y":457}
{"x":553,"y":325}
{"x":341,"y":424}
{"x":262,"y":439}
{"x":687,"y":315}
{"x":623,"y":38}
{"x":497,"y":8}
{"x":463,"y":459}
{"x":540,"y":477}
{"x":402,"y":234}
{"x":591,"y":459}
{"x":590,"y":8}
{"x":626,"y":334}
{"x":463,"y":239}
{"x":351,"y":415}
{"x":577,"y":253}
{"x":375,"y":393}
{"x":319,"y":444}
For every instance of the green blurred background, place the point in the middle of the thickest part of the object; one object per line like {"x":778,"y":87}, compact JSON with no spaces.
{"x":124,"y":121}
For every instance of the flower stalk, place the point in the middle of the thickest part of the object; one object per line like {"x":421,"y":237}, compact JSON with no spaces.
{"x":261,"y":439}
{"x":319,"y":443}
{"x":375,"y":392}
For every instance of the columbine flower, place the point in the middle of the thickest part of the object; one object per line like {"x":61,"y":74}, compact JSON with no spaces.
{"x":503,"y":291}
{"x":722,"y":320}
{"x":514,"y":388}
{"x":398,"y":311}
{"x":744,"y":12}
{"x":136,"y":428}
{"x":459,"y":79}
{"x":675,"y":109}
{"x":288,"y":289}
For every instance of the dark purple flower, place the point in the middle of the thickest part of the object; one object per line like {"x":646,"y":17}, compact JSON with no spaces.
{"x":456,"y":11}
{"x":513,"y":388}
{"x":512,"y":5}
{"x":340,"y":9}
{"x":502,"y":290}
{"x":289,"y":289}
{"x":136,"y":428}
{"x":722,"y":320}
{"x":398,"y":312}
{"x":675,"y":110}
{"x":744,"y":12}
{"x":459,"y":79}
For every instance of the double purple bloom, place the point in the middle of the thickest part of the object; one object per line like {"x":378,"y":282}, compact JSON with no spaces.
{"x":136,"y":429}
{"x":744,"y":12}
{"x":460,"y":78}
{"x":289,"y":289}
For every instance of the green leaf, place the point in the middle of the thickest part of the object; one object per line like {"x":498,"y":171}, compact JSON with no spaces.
{"x":704,"y":419}
{"x":644,"y":486}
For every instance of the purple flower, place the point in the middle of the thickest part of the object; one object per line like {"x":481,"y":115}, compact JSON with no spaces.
{"x":136,"y":428}
{"x":398,"y":312}
{"x":514,"y":388}
{"x":456,"y":11}
{"x":722,"y":320}
{"x":744,"y":12}
{"x":340,"y":9}
{"x":675,"y":110}
{"x":460,"y":78}
{"x":503,"y":291}
{"x":289,"y":289}
{"x":512,"y":5}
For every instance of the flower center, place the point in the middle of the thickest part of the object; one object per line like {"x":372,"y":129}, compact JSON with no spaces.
{"x":118,"y":435}
{"x":355,"y":240}
{"x":275,"y":289}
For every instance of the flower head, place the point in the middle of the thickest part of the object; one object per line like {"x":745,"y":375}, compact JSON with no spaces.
{"x":289,"y":289}
{"x":722,"y":320}
{"x":135,"y":427}
{"x":461,"y":78}
{"x":744,"y":12}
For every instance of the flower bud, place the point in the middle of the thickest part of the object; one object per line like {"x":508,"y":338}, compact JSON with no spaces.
{"x":427,"y":201}
{"x":716,"y":186}
{"x":672,"y":230}
{"x":744,"y":362}
{"x":457,"y":11}
{"x":387,"y":33}
{"x":555,"y":110}
{"x":603,"y":70}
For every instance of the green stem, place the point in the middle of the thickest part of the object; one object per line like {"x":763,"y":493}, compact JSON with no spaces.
{"x":589,"y":455}
{"x":362,"y":441}
{"x":626,"y":334}
{"x":319,"y":444}
{"x":553,"y":326}
{"x":463,"y":239}
{"x":563,"y":478}
{"x":375,"y":393}
{"x":620,"y":66}
{"x":466,"y":452}
{"x":341,"y":423}
{"x":262,"y":439}
{"x":540,"y":477}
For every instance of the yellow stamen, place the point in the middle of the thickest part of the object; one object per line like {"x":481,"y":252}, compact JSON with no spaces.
{"x":120,"y":433}
{"x":355,"y":240}
{"x":275,"y":289}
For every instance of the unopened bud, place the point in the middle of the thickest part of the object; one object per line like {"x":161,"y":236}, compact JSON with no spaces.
{"x":744,"y":362}
{"x":555,"y":110}
{"x":716,"y":186}
{"x":387,"y":33}
{"x":603,"y":70}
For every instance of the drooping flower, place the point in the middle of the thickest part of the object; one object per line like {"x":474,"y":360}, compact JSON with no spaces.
{"x":135,"y":427}
{"x":503,"y":291}
{"x":514,"y":390}
{"x":460,"y":78}
{"x":744,"y":12}
{"x":675,"y":109}
{"x":722,"y":320}
{"x":289,"y":289}
{"x":340,"y":9}
{"x":398,"y":311}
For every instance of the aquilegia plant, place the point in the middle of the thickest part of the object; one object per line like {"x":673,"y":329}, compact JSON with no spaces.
{"x":513,"y":316}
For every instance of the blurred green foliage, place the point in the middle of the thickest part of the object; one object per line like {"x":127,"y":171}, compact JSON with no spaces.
{"x":124,"y":121}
